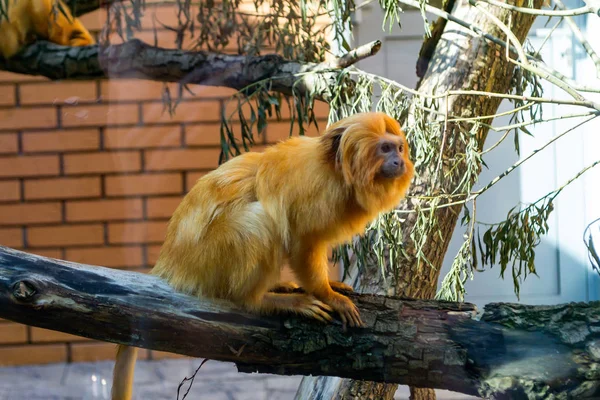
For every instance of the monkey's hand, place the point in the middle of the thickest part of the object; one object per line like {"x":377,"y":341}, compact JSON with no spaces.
{"x":310,"y":307}
{"x":345,"y":307}
{"x":340,"y":287}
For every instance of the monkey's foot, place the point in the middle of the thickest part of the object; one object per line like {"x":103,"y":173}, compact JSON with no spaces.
{"x":284,"y":287}
{"x":340,"y":286}
{"x":312,"y":308}
{"x":298,"y":303}
{"x":345,"y":308}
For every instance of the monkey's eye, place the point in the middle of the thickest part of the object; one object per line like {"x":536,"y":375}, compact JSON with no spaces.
{"x":387,"y":147}
{"x":400,"y":148}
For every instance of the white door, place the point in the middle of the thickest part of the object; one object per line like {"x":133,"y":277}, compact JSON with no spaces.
{"x":561,"y":259}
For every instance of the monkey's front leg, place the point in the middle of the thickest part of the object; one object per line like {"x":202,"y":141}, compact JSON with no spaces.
{"x":309,"y":263}
{"x":340,"y":286}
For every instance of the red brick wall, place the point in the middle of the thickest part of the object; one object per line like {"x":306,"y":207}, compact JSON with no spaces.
{"x":91,"y":171}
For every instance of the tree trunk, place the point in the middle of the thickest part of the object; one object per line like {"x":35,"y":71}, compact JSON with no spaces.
{"x":460,"y":61}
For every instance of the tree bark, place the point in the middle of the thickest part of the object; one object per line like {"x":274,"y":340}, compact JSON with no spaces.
{"x":138,"y":60}
{"x":460,"y":60}
{"x":513,"y":351}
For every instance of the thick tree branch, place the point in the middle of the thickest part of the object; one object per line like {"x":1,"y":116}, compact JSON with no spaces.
{"x":81,"y":7}
{"x":521,"y":349}
{"x":136,"y":59}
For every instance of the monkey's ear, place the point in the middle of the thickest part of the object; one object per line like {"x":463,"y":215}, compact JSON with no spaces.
{"x":332,"y":140}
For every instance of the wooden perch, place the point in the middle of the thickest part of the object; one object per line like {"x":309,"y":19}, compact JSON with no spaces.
{"x":138,"y":60}
{"x":513,"y":350}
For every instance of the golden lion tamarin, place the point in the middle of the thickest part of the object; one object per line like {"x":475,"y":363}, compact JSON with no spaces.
{"x":28,"y":19}
{"x":233,"y":231}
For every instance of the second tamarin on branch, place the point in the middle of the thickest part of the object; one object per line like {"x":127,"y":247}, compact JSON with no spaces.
{"x":233,"y":231}
{"x":39,"y":19}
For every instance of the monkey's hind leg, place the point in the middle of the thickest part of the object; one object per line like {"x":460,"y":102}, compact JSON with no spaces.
{"x":298,"y":303}
{"x":11,"y":39}
{"x":340,"y":286}
{"x":284,"y":287}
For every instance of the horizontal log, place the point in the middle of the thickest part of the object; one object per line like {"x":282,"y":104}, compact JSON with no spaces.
{"x":412,"y":342}
{"x":135,"y":59}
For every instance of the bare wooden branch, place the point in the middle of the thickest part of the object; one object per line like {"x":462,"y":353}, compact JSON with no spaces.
{"x":81,"y":7}
{"x":549,"y":350}
{"x":138,"y":60}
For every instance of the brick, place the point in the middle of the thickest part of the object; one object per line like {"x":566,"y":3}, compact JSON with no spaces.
{"x":94,"y":351}
{"x":152,"y":253}
{"x":142,"y":137}
{"x":203,"y":135}
{"x":321,"y":110}
{"x":232,"y":110}
{"x":191,"y":179}
{"x":60,"y":235}
{"x":40,"y":335}
{"x":58,"y":92}
{"x":9,"y":143}
{"x":181,"y":159}
{"x":163,"y":14}
{"x":114,"y":257}
{"x":9,"y":190}
{"x":13,"y":333}
{"x":143,"y":184}
{"x":20,"y":166}
{"x":82,"y":139}
{"x":184,"y":112}
{"x":7,"y":95}
{"x":25,"y":118}
{"x":32,"y":354}
{"x":30,"y":213}
{"x":86,"y":163}
{"x":104,"y":210}
{"x":62,"y":188}
{"x":162,"y":207}
{"x":95,"y":20}
{"x":135,"y":89}
{"x":164,"y":38}
{"x":11,"y":237}
{"x":13,"y":77}
{"x":51,"y":253}
{"x":137,"y":232}
{"x":100,"y":115}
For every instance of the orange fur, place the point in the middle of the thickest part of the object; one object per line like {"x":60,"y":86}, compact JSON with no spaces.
{"x":233,"y":231}
{"x":41,"y":18}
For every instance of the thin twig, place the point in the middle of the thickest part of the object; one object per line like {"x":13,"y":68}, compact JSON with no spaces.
{"x":477,"y":193}
{"x":355,"y":55}
{"x":547,"y":13}
{"x":533,"y":153}
{"x":581,"y":39}
{"x":509,"y":34}
{"x":535,"y":121}
{"x":523,"y":61}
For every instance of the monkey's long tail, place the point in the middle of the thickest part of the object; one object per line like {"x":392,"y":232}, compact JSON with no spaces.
{"x":123,"y":372}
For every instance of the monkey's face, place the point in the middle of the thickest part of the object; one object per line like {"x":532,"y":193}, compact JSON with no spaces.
{"x":369,"y":149}
{"x":389,"y":150}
